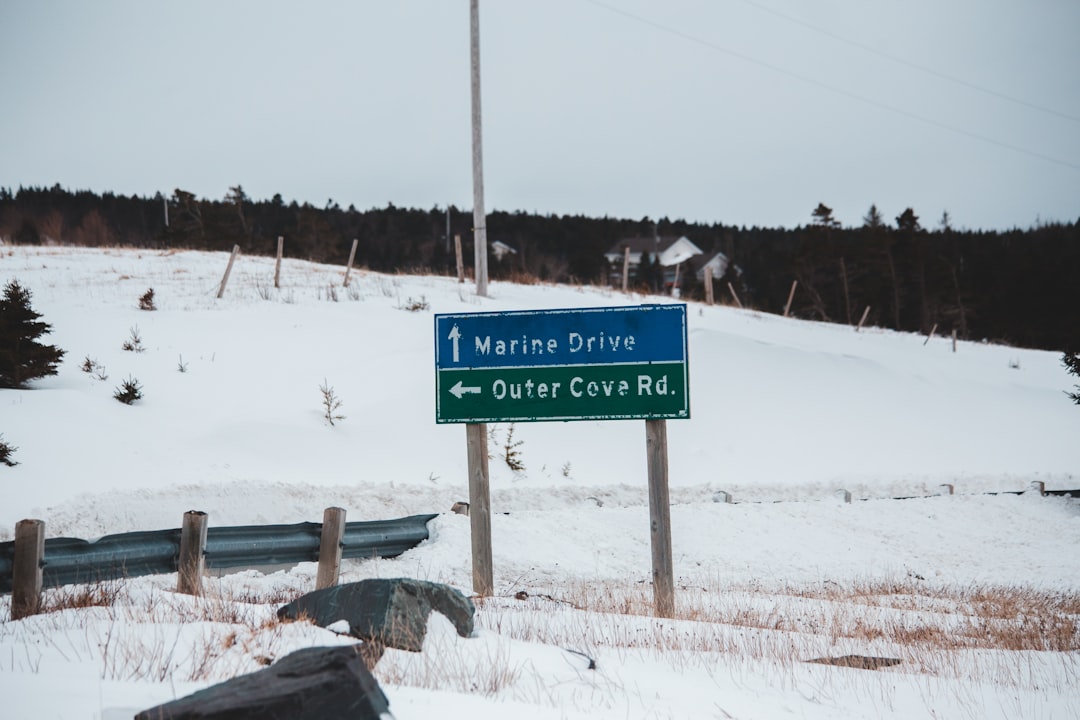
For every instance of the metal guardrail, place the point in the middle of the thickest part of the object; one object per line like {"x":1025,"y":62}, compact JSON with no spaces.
{"x":156,"y":552}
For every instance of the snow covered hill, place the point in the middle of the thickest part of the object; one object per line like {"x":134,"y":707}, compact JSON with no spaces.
{"x":232,"y":423}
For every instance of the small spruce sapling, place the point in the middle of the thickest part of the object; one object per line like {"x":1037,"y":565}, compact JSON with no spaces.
{"x":133,"y":343}
{"x":331,"y":403}
{"x":6,"y":451}
{"x":1071,"y":361}
{"x":511,"y":454}
{"x":129,"y":391}
{"x":91,"y":366}
{"x":22,"y":357}
{"x":146,"y":302}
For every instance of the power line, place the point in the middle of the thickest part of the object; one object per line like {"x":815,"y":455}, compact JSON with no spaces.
{"x":914,"y":66}
{"x":831,"y":88}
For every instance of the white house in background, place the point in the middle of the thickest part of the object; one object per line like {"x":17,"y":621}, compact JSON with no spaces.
{"x":669,"y":250}
{"x":500,"y":250}
{"x":718,"y":261}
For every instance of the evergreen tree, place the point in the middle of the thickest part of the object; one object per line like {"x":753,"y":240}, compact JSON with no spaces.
{"x":823,"y":216}
{"x":1071,"y":361}
{"x":22,"y":357}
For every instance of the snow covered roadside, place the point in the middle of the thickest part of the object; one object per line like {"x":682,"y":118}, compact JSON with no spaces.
{"x":782,"y":410}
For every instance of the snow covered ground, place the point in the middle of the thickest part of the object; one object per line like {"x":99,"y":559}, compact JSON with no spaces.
{"x":976,"y":594}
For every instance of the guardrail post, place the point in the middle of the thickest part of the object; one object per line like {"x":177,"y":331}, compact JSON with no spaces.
{"x":192,"y":553}
{"x":26,"y":568}
{"x":333,"y":531}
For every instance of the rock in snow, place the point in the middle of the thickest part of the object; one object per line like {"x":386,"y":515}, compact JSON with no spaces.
{"x":311,"y":684}
{"x":384,"y":612}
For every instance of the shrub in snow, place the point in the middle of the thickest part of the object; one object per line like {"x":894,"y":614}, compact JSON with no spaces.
{"x":134,"y":343}
{"x":146,"y":302}
{"x":6,"y":451}
{"x":129,"y":391}
{"x":22,"y":357}
{"x":1072,"y":362}
{"x":331,"y":403}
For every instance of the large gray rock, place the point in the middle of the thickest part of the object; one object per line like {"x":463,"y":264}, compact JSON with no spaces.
{"x":313,"y":684}
{"x":384,"y":612}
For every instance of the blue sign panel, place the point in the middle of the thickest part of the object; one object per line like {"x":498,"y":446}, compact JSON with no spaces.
{"x":591,"y":363}
{"x":543,"y":338}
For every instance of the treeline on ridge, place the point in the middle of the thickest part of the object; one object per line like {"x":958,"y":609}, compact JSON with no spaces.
{"x":1016,"y":286}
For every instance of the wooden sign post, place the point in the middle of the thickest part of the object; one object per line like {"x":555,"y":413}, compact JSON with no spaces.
{"x":663,"y":575}
{"x":480,"y":508}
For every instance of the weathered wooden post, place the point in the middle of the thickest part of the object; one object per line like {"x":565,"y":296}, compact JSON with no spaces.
{"x":348,"y":267}
{"x":330,"y":544}
{"x":734,"y":295}
{"x":480,"y":509}
{"x":954,"y":340}
{"x":26,"y":568}
{"x":863,"y":318}
{"x":708,"y":285}
{"x":790,"y":297}
{"x":460,"y":261}
{"x":847,"y":296}
{"x":932,"y":331}
{"x":277,"y":265}
{"x":192,"y":553}
{"x":663,"y":574}
{"x":626,"y":268}
{"x":228,"y":269}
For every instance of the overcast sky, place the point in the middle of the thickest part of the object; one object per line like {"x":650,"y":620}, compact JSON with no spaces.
{"x":746,"y":112}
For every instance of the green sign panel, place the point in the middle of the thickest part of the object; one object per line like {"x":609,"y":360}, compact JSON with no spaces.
{"x":586,"y":364}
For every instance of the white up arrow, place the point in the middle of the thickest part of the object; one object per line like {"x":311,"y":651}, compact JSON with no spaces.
{"x":455,"y":335}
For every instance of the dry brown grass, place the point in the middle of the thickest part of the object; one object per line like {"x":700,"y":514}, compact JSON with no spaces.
{"x":894,"y":613}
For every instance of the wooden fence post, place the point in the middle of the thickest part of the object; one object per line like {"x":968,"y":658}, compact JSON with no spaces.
{"x":663,"y":575}
{"x":734,"y":295}
{"x":708,"y":285}
{"x":192,"y":553}
{"x":930,"y":335}
{"x":348,"y":268}
{"x":480,"y":508}
{"x":954,"y":340}
{"x":277,"y":265}
{"x":26,"y":568}
{"x":790,"y":297}
{"x":863,"y":318}
{"x":847,"y":296}
{"x":228,"y":269}
{"x":460,"y":262}
{"x":333,"y":531}
{"x":626,"y":268}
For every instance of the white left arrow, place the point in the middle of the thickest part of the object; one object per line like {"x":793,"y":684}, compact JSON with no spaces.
{"x":455,"y":335}
{"x":462,"y":389}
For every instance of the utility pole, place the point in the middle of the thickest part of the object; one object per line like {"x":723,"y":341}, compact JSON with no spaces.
{"x":479,"y":217}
